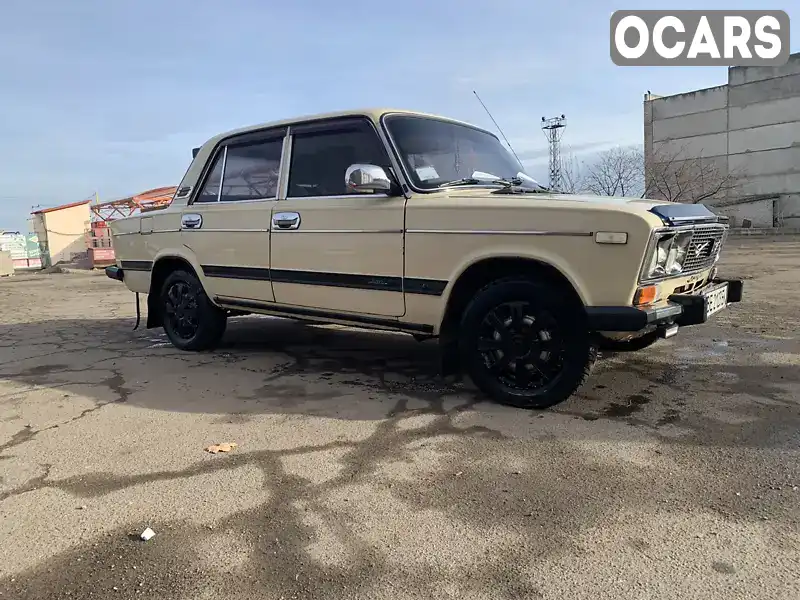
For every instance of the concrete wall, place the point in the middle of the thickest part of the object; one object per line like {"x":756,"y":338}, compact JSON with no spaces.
{"x":760,"y":213}
{"x":752,"y":127}
{"x":37,"y":226}
{"x":6,"y":264}
{"x":65,"y":232}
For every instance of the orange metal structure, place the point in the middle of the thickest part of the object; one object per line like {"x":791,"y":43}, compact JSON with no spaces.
{"x":125,"y":207}
{"x":98,"y":237}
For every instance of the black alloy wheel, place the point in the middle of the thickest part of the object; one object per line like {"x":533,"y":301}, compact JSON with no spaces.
{"x":522,"y":345}
{"x":191,"y":321}
{"x":180,"y":310}
{"x":526,"y":343}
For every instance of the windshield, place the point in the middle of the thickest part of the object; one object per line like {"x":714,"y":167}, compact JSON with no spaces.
{"x":437,"y":152}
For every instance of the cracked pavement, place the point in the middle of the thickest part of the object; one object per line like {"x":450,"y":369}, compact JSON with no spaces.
{"x":673,"y":473}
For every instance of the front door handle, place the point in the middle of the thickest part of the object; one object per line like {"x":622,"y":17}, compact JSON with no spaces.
{"x":286,"y":220}
{"x":191,"y":221}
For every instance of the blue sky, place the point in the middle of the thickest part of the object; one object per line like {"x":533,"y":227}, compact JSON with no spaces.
{"x":110,"y":95}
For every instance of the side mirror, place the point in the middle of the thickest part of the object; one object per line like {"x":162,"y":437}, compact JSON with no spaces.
{"x":367,"y":178}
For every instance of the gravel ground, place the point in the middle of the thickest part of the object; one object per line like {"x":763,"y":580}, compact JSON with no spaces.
{"x":674,"y":472}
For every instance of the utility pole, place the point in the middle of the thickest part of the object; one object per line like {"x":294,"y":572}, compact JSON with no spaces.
{"x":553,"y":129}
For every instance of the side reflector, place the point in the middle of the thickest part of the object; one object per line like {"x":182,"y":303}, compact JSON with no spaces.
{"x":611,"y":237}
{"x":645,"y":295}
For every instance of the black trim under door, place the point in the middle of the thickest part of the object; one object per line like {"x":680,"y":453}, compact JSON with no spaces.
{"x":411,"y":285}
{"x":356,"y":320}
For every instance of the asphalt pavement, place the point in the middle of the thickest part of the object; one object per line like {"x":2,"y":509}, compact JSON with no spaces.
{"x":358,"y":473}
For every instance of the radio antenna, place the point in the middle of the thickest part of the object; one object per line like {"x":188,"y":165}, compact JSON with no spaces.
{"x":498,"y":126}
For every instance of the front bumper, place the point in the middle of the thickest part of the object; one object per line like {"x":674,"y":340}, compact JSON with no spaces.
{"x":115,"y":272}
{"x":680,"y":309}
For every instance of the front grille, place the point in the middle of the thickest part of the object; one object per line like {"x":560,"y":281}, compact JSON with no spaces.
{"x":704,"y":249}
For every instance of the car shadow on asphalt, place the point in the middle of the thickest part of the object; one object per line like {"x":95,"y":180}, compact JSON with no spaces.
{"x":269,"y":365}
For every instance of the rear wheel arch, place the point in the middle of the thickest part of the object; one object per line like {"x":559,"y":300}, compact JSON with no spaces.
{"x":162,"y":267}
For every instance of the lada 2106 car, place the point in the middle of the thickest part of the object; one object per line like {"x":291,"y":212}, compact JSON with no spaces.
{"x":416,"y":223}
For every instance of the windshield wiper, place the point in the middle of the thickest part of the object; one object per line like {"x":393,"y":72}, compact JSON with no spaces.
{"x":508,"y":186}
{"x":464,"y":181}
{"x":475,"y":181}
{"x":518,"y":189}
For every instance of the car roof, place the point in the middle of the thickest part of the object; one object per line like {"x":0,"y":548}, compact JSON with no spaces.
{"x":374,"y":113}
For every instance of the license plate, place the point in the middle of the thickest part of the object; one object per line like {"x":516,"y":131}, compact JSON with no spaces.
{"x":716,"y":300}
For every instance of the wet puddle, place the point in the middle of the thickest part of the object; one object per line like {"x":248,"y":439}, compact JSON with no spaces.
{"x":619,"y":410}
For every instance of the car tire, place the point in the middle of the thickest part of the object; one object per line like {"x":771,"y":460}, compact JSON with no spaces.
{"x":526,"y":344}
{"x":191,"y":321}
{"x":634,"y":345}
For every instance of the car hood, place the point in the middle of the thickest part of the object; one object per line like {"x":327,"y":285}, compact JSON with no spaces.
{"x":614,"y":203}
{"x":635,"y":203}
{"x":662,"y":211}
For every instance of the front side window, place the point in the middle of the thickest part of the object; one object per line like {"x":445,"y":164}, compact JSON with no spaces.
{"x":321,"y":158}
{"x":252,"y":171}
{"x":436,"y":153}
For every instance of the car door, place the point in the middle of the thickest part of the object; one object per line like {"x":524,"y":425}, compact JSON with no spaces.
{"x":227,"y":225}
{"x":333,"y":249}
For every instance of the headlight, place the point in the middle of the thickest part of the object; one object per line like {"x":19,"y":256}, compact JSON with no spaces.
{"x":668,"y":255}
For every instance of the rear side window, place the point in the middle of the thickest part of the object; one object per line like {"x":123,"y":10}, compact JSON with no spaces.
{"x":210,"y":191}
{"x":320,"y":159}
{"x":252,"y":171}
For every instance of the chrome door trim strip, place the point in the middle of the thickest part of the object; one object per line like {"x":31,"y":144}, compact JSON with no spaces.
{"x":222,"y":173}
{"x":347,"y":231}
{"x":230,"y":230}
{"x":283,"y":170}
{"x":340,"y":196}
{"x":148,"y":233}
{"x":501,"y":232}
{"x":227,"y":202}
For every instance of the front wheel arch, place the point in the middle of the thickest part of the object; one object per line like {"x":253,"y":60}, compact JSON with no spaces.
{"x":485,"y":271}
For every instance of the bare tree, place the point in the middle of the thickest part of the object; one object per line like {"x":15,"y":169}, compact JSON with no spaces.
{"x":571,"y":175}
{"x":616,"y":172}
{"x":672,"y":176}
{"x":680,"y":177}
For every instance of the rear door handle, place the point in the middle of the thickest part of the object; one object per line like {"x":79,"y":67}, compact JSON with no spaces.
{"x":286,"y":220}
{"x":191,"y":221}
